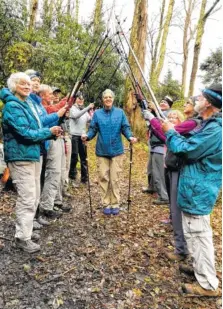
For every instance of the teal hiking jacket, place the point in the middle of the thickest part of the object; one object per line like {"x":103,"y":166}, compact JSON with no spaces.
{"x":200,"y":177}
{"x":22,"y":134}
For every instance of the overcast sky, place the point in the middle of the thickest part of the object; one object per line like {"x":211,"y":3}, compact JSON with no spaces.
{"x":125,"y":8}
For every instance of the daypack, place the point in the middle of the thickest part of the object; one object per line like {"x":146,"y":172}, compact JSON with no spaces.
{"x":173,"y":161}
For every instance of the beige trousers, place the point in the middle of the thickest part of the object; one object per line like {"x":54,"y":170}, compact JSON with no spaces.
{"x":109,"y":174}
{"x":198,"y":235}
{"x":52,"y":190}
{"x":26,"y":177}
{"x":65,"y":172}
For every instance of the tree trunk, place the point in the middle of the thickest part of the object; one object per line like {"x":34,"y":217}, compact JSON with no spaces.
{"x":187,"y":37}
{"x":162,"y":52}
{"x":77,"y":6}
{"x":198,"y":42}
{"x":98,"y":16}
{"x":68,"y":7}
{"x":197,"y":47}
{"x":138,"y":43}
{"x":155,"y":52}
{"x":33,"y":14}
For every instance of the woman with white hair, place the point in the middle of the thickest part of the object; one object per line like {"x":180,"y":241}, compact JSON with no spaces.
{"x":23,"y":132}
{"x":109,"y":123}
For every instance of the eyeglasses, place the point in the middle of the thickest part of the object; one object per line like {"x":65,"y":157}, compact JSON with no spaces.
{"x":172,"y":118}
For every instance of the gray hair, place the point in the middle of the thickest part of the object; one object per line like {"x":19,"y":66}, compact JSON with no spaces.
{"x":44,"y":88}
{"x":15,"y":78}
{"x":108,"y":91}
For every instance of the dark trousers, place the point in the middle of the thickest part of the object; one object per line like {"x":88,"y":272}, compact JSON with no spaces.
{"x":175,"y":211}
{"x":78,"y":148}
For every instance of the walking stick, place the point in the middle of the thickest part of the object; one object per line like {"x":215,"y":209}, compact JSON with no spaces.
{"x":88,"y":181}
{"x":130,"y":174}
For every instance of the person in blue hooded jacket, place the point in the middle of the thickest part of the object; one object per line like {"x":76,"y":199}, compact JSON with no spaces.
{"x":23,"y":133}
{"x":109,"y":123}
{"x":199,"y":186}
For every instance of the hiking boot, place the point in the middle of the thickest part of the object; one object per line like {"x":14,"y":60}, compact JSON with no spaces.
{"x":35,"y":236}
{"x":27,"y":245}
{"x":160,"y":202}
{"x":107,"y":211}
{"x":1,"y":245}
{"x":188,"y":270}
{"x":37,"y":225}
{"x":52,"y":214}
{"x":147,"y":190}
{"x":195,"y":289}
{"x":175,"y":257}
{"x":64,"y":208}
{"x":67,"y":194}
{"x":43,"y":221}
{"x":75,"y":185}
{"x":115,"y":211}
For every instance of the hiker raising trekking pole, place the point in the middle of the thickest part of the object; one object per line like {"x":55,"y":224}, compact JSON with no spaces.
{"x":109,"y":123}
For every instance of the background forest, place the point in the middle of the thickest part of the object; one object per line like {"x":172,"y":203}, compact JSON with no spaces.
{"x":48,"y":36}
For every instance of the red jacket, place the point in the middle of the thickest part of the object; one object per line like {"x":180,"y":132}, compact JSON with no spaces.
{"x":54,"y":108}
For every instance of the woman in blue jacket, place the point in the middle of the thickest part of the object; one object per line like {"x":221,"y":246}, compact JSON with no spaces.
{"x":109,"y":123}
{"x":23,"y":133}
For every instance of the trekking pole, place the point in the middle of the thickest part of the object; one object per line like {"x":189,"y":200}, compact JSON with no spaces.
{"x":159,"y":112}
{"x":130,"y":175}
{"x":88,"y":181}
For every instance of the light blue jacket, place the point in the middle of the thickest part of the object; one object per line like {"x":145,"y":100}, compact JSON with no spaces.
{"x":109,"y":125}
{"x":200,"y":178}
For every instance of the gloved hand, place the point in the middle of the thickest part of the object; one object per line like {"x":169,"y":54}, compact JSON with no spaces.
{"x":148,"y":115}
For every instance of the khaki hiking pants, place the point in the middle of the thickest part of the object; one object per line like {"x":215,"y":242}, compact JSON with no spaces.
{"x":26,"y":177}
{"x":65,"y":171}
{"x":53,"y":175}
{"x":198,"y":235}
{"x":109,"y":174}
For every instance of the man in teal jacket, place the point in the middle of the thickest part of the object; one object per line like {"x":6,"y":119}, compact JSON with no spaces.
{"x":199,"y":186}
{"x":109,"y":123}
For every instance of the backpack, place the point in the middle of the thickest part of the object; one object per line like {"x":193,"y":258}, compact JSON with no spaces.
{"x":173,"y":161}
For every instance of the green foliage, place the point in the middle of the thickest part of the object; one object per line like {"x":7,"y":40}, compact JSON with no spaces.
{"x":169,"y":87}
{"x":18,"y":56}
{"x":212,"y":68}
{"x":11,"y":28}
{"x":56,"y":48}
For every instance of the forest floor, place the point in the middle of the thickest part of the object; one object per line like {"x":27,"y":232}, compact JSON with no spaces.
{"x":113,"y":262}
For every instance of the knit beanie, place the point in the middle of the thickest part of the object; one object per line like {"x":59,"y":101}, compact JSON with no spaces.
{"x":213,"y":94}
{"x":169,"y":100}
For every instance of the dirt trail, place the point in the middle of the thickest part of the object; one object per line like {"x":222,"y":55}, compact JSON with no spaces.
{"x":103,"y":263}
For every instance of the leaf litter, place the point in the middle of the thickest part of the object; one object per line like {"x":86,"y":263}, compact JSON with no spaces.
{"x":113,"y":262}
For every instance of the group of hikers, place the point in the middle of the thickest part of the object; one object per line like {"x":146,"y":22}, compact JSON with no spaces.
{"x":184,"y":167}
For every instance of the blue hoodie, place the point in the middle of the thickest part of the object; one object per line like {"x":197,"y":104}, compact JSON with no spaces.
{"x":22,"y":135}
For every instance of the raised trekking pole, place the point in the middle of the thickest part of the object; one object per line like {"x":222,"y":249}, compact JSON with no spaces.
{"x":130,"y":175}
{"x":159,"y":112}
{"x":88,"y":181}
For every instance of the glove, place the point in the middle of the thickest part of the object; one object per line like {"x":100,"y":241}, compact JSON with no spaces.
{"x":148,"y":115}
{"x":139,"y":97}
